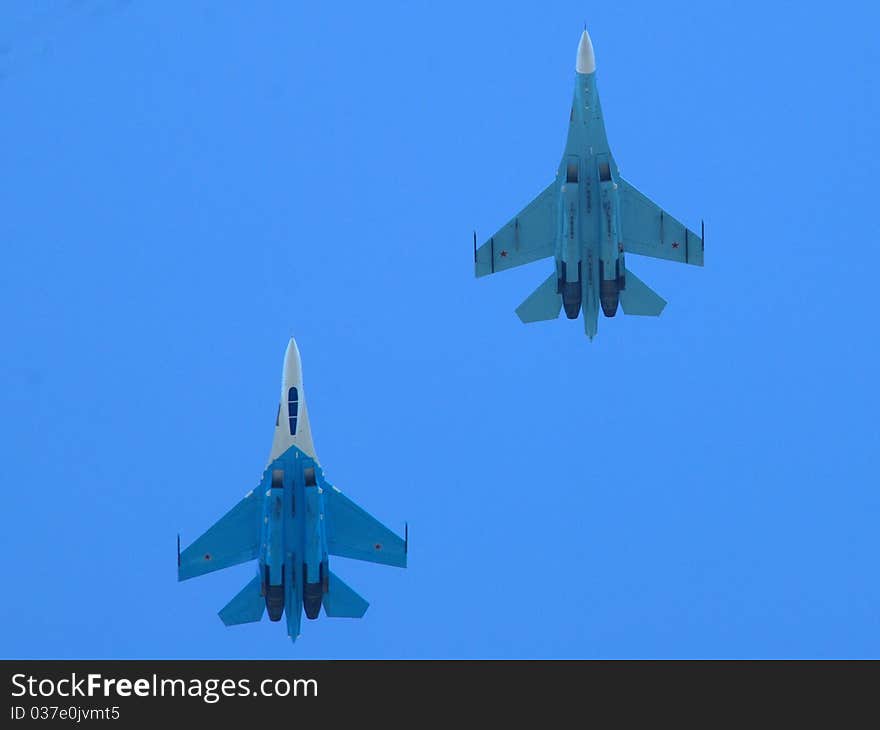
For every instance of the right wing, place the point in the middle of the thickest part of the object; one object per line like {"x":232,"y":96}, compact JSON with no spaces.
{"x":529,"y":236}
{"x":233,"y":539}
{"x":354,"y":533}
{"x":648,"y":230}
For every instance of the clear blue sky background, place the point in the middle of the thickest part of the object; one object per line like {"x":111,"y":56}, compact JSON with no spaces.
{"x":186,"y":185}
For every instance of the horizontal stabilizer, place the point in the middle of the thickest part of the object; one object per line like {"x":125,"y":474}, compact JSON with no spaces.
{"x":340,"y":601}
{"x":640,"y":299}
{"x":247,"y":607}
{"x":542,"y":304}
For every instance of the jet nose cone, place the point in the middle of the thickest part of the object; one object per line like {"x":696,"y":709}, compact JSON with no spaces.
{"x":292,"y":424}
{"x":292,"y":365}
{"x":291,"y":354}
{"x":586,"y":60}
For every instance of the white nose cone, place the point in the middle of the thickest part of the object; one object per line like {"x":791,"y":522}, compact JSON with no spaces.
{"x":292,"y":423}
{"x":586,"y":61}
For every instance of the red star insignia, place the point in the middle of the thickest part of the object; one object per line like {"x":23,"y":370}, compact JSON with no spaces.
{"x":504,"y":254}
{"x":675,"y":244}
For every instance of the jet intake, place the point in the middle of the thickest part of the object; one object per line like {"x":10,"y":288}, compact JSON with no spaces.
{"x":609,"y":295}
{"x":571,"y":294}
{"x":313,"y":593}
{"x":609,"y":292}
{"x":274,"y":597}
{"x":571,"y":298}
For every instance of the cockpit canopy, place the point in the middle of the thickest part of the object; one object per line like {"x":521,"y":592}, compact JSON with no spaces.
{"x":292,"y":409}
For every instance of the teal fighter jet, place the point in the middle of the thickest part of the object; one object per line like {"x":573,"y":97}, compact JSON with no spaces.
{"x":588,"y":218}
{"x":290,"y":524}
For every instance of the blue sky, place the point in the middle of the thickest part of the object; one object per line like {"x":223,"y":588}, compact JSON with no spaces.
{"x":186,"y":185}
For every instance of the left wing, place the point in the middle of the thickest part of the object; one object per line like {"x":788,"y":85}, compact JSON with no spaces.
{"x":530,"y":236}
{"x":648,"y":230}
{"x":353,"y":533}
{"x":233,"y":539}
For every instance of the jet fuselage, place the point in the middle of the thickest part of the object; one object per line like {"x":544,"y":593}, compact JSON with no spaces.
{"x":293,"y":562}
{"x":290,"y":524}
{"x":589,"y":249}
{"x":586,"y":219}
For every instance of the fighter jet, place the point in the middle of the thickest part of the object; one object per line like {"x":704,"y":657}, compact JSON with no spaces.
{"x":291,"y":523}
{"x":588,"y":218}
